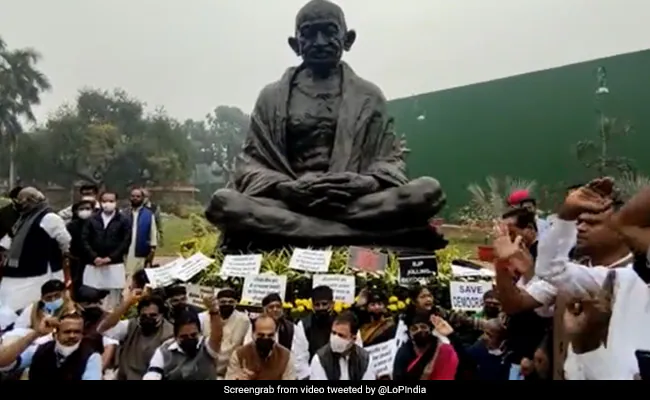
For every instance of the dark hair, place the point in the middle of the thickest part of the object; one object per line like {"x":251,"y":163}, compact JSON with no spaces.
{"x":322,"y":292}
{"x":51,"y":286}
{"x":80,"y":203}
{"x":348,"y":317}
{"x":87,"y":187}
{"x":139,"y":279}
{"x":152,"y":300}
{"x":261,"y":317}
{"x":490,"y":294}
{"x":523,"y":218}
{"x":185,"y":317}
{"x":108,"y":192}
{"x":13,"y":193}
{"x":74,"y":314}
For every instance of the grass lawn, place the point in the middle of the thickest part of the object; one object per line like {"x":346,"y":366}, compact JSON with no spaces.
{"x":176,"y":230}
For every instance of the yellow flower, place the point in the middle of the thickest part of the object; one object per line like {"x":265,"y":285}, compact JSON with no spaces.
{"x":338,"y":307}
{"x":408,"y":301}
{"x":300,"y":308}
{"x":392,"y":307}
{"x":356,"y":299}
{"x":401,"y":305}
{"x":287,"y":305}
{"x":346,"y":306}
{"x":393,"y":299}
{"x":243,"y":302}
{"x":307,"y":304}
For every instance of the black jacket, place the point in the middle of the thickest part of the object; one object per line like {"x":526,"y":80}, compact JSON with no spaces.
{"x":112,"y":241}
{"x":8,"y":217}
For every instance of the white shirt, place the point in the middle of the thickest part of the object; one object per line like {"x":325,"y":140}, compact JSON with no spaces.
{"x":543,"y":292}
{"x":106,"y":218}
{"x":158,"y":361}
{"x":55,"y":228}
{"x":317,"y":373}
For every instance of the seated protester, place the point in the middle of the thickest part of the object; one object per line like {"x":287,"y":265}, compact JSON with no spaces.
{"x":376,"y":326}
{"x":81,"y":211}
{"x":263,"y":358}
{"x":17,"y":348}
{"x":421,"y":301}
{"x":488,"y":353}
{"x":235,"y":326}
{"x":69,"y":357}
{"x":52,"y":301}
{"x":341,"y":359}
{"x":188,"y":356}
{"x":272,"y":307}
{"x":176,"y":299}
{"x":89,"y":302}
{"x":424,"y":357}
{"x":139,"y":337}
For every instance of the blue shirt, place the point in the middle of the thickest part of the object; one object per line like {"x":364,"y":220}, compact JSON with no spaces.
{"x":93,"y":371}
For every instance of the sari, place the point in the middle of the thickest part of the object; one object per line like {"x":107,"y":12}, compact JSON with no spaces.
{"x":438,"y":362}
{"x":379,"y":331}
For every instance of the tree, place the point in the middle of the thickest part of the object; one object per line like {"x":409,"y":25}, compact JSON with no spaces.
{"x":21,"y":85}
{"x":596,"y":154}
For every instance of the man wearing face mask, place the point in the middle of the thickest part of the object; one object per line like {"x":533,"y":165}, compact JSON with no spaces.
{"x":263,"y":358}
{"x":51,"y":304}
{"x":341,"y":359}
{"x":81,"y":211}
{"x":235,"y":325}
{"x":144,"y":233}
{"x":189,"y":356}
{"x":139,"y":337}
{"x":285,"y":333}
{"x":87,"y":192}
{"x":176,"y":299}
{"x":36,"y":255}
{"x":105,"y":240}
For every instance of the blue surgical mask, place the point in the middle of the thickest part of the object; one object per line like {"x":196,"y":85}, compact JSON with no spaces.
{"x":52,"y":306}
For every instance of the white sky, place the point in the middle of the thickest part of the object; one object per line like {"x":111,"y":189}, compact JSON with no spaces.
{"x":192,"y":55}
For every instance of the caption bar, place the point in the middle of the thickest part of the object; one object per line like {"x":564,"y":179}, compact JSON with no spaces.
{"x":312,"y":389}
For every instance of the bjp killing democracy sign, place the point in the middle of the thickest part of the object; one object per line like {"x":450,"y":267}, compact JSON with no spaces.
{"x":415,"y":268}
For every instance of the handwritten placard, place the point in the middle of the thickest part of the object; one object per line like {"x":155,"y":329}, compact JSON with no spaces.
{"x":416,"y":268}
{"x":383,"y":356}
{"x":468,"y":296}
{"x":164,"y":275}
{"x":241,"y":266}
{"x":363,"y":259}
{"x":466,"y":272}
{"x":257,"y":287}
{"x":342,"y":285}
{"x":310,"y":260}
{"x":193,"y":266}
{"x":196,"y":293}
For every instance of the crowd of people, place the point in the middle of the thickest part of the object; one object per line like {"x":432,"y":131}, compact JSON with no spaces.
{"x":569,"y":302}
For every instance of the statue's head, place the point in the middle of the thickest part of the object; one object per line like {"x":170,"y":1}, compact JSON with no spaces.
{"x":321,"y":34}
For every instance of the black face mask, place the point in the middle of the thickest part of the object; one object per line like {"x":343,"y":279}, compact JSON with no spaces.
{"x":491,"y":312}
{"x":226,"y":311}
{"x":189,"y":346}
{"x":422,"y":339}
{"x":264,"y":346}
{"x":92,"y":315}
{"x":148,"y":325}
{"x":322,"y":316}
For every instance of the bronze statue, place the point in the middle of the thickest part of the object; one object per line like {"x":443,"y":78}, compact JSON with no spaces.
{"x":321,"y":164}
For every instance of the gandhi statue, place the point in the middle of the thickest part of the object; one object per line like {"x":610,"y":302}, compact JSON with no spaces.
{"x":321,"y":163}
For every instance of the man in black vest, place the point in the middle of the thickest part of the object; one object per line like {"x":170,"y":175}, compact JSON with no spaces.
{"x":40,"y":240}
{"x":341,"y":359}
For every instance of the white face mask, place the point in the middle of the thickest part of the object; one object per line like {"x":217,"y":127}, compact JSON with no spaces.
{"x":108,"y":207}
{"x":66,"y":350}
{"x":84,"y":214}
{"x":338,"y":344}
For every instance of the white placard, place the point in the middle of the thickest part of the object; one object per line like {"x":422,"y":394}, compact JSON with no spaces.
{"x":105,"y":277}
{"x":342,"y":285}
{"x":241,"y":266}
{"x":257,"y":287}
{"x":164,"y":275}
{"x":383,"y":356}
{"x":465,"y":272}
{"x":468,"y":296}
{"x":310,"y":260}
{"x":195,"y":294}
{"x":192,"y":266}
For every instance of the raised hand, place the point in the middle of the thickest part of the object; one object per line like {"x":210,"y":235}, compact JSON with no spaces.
{"x":133,"y":296}
{"x":441,"y":326}
{"x":595,"y":197}
{"x":47,"y":325}
{"x":504,"y":247}
{"x":210,"y":304}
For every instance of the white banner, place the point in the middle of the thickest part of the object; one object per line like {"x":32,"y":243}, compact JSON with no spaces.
{"x":342,"y":285}
{"x":468,"y":296}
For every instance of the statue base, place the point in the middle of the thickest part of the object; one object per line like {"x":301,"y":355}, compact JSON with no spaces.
{"x":419,"y":241}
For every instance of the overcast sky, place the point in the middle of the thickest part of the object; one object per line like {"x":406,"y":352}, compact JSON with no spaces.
{"x":192,"y":55}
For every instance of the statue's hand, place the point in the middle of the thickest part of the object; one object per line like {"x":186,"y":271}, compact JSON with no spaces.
{"x":294,"y":190}
{"x":351,"y":183}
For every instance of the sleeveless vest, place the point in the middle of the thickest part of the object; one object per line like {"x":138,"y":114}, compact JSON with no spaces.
{"x":357,"y":363}
{"x":179,"y":367}
{"x":45,"y":368}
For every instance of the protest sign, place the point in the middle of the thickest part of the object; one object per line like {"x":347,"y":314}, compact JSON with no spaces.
{"x":363,"y":259}
{"x":195,"y":294}
{"x":310,"y":260}
{"x":164,"y":275}
{"x":468,"y":296}
{"x":383,"y":356}
{"x":341,"y":285}
{"x":415,"y":268}
{"x":241,"y":266}
{"x":256,"y":287}
{"x":192,"y":266}
{"x":465,"y":272}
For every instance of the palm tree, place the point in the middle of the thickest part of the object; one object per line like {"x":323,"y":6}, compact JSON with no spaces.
{"x":489,"y":203}
{"x":631,"y":183}
{"x":21,"y":85}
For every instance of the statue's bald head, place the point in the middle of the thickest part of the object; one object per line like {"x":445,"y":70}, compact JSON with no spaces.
{"x":322,"y":34}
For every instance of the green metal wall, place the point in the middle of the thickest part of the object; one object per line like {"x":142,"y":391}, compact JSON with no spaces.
{"x":523,"y":126}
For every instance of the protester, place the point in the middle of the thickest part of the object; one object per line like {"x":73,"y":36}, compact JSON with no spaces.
{"x":17,"y":354}
{"x":523,"y":199}
{"x":105,"y":239}
{"x":272,"y":307}
{"x":341,"y":359}
{"x":188,"y":356}
{"x":139,"y":337}
{"x":81,"y":211}
{"x":488,"y":353}
{"x":144,"y":233}
{"x":36,"y":255}
{"x":376,"y":326}
{"x":156,"y":213}
{"x":176,"y":299}
{"x":491,"y":305}
{"x":52,"y":303}
{"x":423,"y":356}
{"x":420,"y":301}
{"x":87,"y":192}
{"x":263,"y":358}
